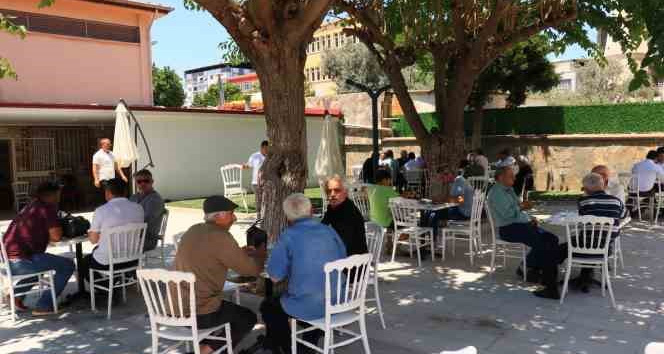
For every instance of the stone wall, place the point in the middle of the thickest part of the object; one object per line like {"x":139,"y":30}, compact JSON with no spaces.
{"x":561,"y":161}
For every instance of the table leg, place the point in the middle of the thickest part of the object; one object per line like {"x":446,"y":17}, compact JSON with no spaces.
{"x":79,"y":271}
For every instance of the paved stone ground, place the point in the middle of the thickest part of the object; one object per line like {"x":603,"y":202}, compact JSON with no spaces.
{"x":441,"y":306}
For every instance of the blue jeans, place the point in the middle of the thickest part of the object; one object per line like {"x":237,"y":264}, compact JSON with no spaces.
{"x":432,"y":219}
{"x":64,"y":267}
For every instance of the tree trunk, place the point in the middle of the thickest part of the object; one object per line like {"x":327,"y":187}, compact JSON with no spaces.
{"x":478,"y":118}
{"x":285,"y":168}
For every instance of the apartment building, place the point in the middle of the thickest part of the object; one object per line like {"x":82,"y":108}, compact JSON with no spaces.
{"x":198,"y":80}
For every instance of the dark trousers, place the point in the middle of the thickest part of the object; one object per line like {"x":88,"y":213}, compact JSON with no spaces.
{"x":88,"y":262}
{"x":545,"y":252}
{"x":277,"y":328}
{"x":433,"y":218}
{"x":241,"y":319}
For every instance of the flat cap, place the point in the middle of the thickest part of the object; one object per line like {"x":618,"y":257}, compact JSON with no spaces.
{"x":217,"y":203}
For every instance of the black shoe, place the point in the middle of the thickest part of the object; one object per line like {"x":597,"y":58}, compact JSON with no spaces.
{"x":548,"y":293}
{"x":533,"y":275}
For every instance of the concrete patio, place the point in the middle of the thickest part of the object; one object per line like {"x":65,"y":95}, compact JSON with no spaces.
{"x":441,"y":306}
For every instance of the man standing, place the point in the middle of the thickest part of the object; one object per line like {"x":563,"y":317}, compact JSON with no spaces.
{"x":344,"y":217}
{"x":153,"y":207}
{"x":104,"y":165}
{"x":515,"y":225}
{"x":208,"y":250}
{"x":118,"y":211}
{"x":26,"y":240}
{"x":255,"y":162}
{"x":299,"y":256}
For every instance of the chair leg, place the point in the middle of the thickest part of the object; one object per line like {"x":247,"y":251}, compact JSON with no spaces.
{"x":608,"y":284}
{"x":293,"y":325}
{"x":566,"y":283}
{"x":432,"y":245}
{"x":525,"y":265}
{"x":229,"y":339}
{"x":237,"y":296}
{"x":493,"y":258}
{"x":12,"y":304}
{"x":417,"y":248}
{"x":92,"y":290}
{"x":124,"y":288}
{"x":604,"y":276}
{"x":110,"y":295}
{"x":470,"y":248}
{"x":379,"y":306}
{"x":155,"y":340}
{"x":326,"y":341}
{"x":51,"y":281}
{"x":395,"y":239}
{"x":363,"y":332}
{"x":163,"y":252}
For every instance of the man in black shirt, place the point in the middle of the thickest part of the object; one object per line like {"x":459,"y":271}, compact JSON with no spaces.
{"x":344,"y":217}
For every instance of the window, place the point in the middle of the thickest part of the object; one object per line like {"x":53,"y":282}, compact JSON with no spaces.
{"x":565,"y":85}
{"x":74,"y":27}
{"x":329,"y":41}
{"x":317,"y":44}
{"x":660,"y":83}
{"x":317,"y":74}
{"x":336,"y":40}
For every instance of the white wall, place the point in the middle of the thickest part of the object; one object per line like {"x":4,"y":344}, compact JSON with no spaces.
{"x":188,"y":149}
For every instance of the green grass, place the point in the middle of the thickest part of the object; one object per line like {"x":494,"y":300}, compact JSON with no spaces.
{"x":555,"y":196}
{"x":312,"y":193}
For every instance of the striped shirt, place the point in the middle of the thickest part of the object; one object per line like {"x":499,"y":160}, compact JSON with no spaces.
{"x":604,"y":205}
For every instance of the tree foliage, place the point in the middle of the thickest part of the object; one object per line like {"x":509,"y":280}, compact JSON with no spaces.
{"x":211,"y":97}
{"x":232,"y":53}
{"x":353,"y":62}
{"x":167,"y":87}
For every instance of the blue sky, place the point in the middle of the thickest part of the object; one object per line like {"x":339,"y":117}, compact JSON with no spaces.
{"x":189,"y":39}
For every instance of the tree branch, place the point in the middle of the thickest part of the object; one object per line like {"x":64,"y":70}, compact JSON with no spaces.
{"x":310,"y":17}
{"x":458,"y":23}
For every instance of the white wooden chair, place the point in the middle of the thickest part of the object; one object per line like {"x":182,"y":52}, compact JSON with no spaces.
{"x":470,"y":232}
{"x":171,"y":301}
{"x":415,"y":180}
{"x":323,"y":197}
{"x":375,"y":239}
{"x":125,"y":244}
{"x":361,"y":201}
{"x":478,"y":183}
{"x":634,"y":198}
{"x":504,"y":248}
{"x":588,"y":239}
{"x":21,"y":191}
{"x":654,"y":348}
{"x":231,"y":175}
{"x":162,"y":235}
{"x":8,"y":282}
{"x":406,"y":216}
{"x":229,"y":286}
{"x":357,"y":173}
{"x":344,"y":305}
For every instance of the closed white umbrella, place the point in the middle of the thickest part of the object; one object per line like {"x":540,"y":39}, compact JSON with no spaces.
{"x":328,"y":159}
{"x":124,"y":148}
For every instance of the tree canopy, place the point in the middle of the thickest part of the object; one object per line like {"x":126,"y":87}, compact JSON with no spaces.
{"x":167,"y":87}
{"x":354,"y":63}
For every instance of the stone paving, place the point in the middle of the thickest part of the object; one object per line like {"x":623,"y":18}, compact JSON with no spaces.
{"x":441,"y":306}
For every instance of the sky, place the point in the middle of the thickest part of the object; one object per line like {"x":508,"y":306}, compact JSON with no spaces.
{"x":187,"y":39}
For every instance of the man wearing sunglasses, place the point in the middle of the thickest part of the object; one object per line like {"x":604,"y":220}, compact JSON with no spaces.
{"x":153,"y":207}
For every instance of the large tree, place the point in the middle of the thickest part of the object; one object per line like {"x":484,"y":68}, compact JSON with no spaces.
{"x":167,"y":86}
{"x":464,"y":37}
{"x":273,"y":35}
{"x":523,"y":69}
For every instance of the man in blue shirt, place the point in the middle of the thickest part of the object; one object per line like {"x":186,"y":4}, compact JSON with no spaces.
{"x":515,"y":225}
{"x":299,"y":257}
{"x":459,"y":189}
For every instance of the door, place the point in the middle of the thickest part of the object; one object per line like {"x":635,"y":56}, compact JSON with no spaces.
{"x":34,"y":160}
{"x":6,"y":199}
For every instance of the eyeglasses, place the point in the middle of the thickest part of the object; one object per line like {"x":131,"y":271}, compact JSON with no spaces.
{"x":143,"y":181}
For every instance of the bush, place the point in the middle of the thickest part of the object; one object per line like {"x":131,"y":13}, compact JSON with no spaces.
{"x":602,"y":119}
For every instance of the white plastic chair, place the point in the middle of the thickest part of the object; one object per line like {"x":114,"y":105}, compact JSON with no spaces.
{"x":588,"y":239}
{"x":654,"y":348}
{"x":361,"y":201}
{"x":346,"y":282}
{"x":21,"y":191}
{"x":162,"y":235}
{"x":171,"y":301}
{"x":375,"y":239}
{"x":470,"y":232}
{"x":231,"y":175}
{"x":125,"y":244}
{"x":229,"y":286}
{"x":504,"y":248}
{"x":406,"y":216}
{"x":478,"y":183}
{"x":8,"y":282}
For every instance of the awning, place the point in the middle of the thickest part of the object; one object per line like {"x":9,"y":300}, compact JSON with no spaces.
{"x":124,"y":148}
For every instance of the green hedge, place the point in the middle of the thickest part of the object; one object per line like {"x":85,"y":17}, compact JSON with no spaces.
{"x":619,"y":118}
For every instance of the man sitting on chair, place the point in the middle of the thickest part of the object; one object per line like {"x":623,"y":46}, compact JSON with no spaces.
{"x":299,"y":256}
{"x":153,"y":207}
{"x":208,"y":250}
{"x":515,"y":225}
{"x":344,"y":217}
{"x":596,"y":202}
{"x":118,"y":211}
{"x":26,"y":240}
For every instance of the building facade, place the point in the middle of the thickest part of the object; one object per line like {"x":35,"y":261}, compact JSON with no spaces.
{"x":328,"y":37}
{"x":197,"y":81}
{"x":567,"y":70}
{"x":248,"y":83}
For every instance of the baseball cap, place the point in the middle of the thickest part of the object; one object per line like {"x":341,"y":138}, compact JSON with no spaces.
{"x":218,"y":203}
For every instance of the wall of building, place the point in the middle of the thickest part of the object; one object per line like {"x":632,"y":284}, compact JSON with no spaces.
{"x":188,"y":149}
{"x":63,"y":69}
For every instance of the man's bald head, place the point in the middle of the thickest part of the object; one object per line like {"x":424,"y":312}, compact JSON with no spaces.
{"x":105,"y":144}
{"x":603,"y":171}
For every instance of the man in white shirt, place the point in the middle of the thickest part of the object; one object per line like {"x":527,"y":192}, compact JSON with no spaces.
{"x":613,"y":186}
{"x":648,"y":172}
{"x":117,"y":211}
{"x":415,"y":164}
{"x":255,"y":162}
{"x":104,"y":165}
